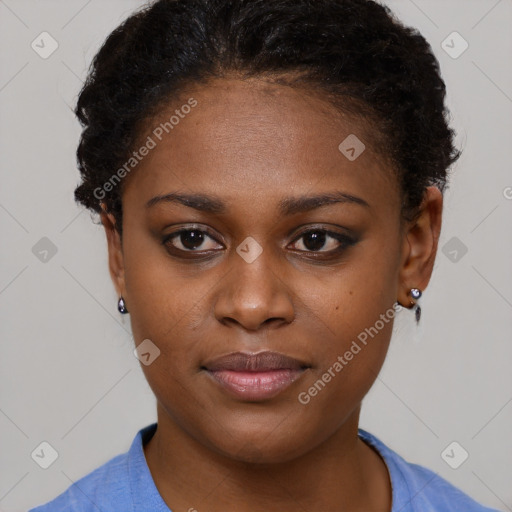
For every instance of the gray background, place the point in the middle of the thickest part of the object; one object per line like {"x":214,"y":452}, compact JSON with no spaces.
{"x":68,"y":374}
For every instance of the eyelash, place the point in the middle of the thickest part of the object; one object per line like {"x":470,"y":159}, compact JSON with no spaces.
{"x":344,"y":240}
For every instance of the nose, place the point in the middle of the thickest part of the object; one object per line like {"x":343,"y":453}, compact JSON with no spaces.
{"x":254,"y":295}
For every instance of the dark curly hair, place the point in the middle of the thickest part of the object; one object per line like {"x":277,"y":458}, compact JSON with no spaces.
{"x":354,"y":52}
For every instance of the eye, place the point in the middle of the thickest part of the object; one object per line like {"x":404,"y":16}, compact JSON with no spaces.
{"x":194,"y":240}
{"x":316,"y":239}
{"x":190,"y":240}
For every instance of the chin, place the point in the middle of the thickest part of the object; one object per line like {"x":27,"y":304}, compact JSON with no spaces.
{"x":260,"y":444}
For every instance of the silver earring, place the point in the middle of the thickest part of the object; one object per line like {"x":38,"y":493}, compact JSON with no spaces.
{"x":416,"y":295}
{"x":121,"y":306}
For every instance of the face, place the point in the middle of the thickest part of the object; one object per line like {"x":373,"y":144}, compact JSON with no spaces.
{"x":258,"y":266}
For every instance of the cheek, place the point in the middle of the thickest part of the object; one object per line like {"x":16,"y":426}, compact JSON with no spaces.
{"x":161,"y":296}
{"x":350,"y":318}
{"x":349,"y":359}
{"x":351,"y":298}
{"x":351,"y":342}
{"x":168,"y":312}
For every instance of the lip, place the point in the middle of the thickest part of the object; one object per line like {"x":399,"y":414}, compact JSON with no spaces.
{"x":255,"y":377}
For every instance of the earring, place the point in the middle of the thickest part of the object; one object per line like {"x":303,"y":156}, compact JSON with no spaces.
{"x":121,"y":306}
{"x":416,"y":295}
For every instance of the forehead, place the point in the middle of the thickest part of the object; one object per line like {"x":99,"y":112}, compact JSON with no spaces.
{"x":245,"y":137}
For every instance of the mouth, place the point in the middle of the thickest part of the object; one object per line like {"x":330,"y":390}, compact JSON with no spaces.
{"x":255,"y":377}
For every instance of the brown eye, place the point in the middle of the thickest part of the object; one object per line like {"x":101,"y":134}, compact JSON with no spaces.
{"x":190,"y":240}
{"x":317,"y":239}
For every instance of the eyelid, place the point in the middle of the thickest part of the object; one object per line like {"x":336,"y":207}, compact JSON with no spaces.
{"x":344,"y":240}
{"x":184,"y":229}
{"x":298,"y":233}
{"x":306,"y":228}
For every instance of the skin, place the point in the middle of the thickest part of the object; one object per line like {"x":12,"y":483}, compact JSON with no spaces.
{"x":251,"y":144}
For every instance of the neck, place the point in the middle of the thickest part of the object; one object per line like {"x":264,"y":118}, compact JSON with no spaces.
{"x":343,"y":473}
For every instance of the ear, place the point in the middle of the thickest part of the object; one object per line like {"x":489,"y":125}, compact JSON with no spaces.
{"x":115,"y":251}
{"x":419,"y":247}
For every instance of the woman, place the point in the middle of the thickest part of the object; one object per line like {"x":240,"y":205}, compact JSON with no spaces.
{"x":270,"y":178}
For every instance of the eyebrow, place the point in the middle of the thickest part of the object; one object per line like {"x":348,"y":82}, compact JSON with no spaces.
{"x":287,"y":206}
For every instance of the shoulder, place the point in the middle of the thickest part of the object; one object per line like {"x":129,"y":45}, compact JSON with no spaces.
{"x":418,"y":489}
{"x":106,"y":488}
{"x":98,"y":490}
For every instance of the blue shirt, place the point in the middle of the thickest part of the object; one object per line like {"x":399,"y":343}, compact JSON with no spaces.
{"x":125,"y":484}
